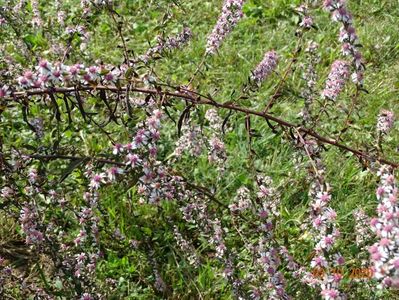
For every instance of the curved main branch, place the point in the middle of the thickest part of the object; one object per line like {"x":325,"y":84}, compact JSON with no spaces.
{"x":195,"y":98}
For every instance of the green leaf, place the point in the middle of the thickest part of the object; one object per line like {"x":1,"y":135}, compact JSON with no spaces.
{"x":72,"y":166}
{"x":147,"y":231}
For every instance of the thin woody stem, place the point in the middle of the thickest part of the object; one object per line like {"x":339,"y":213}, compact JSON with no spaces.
{"x":203,"y":100}
{"x":69,"y":157}
{"x":118,"y":26}
{"x":198,"y":69}
{"x":284,"y":78}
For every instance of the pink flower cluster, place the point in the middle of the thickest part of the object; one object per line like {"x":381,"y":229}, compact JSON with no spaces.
{"x":191,"y":140}
{"x":4,"y":91}
{"x":48,"y":75}
{"x":265,"y":67}
{"x":217,"y":239}
{"x":88,"y":221}
{"x":242,"y":201}
{"x":80,"y":32}
{"x":217,"y":151}
{"x":336,"y":80}
{"x":231,"y":14}
{"x":194,"y":140}
{"x":140,"y":156}
{"x":186,"y":247}
{"x":325,"y":235}
{"x":362,"y":228}
{"x":36,"y":20}
{"x":29,"y":223}
{"x":323,"y":229}
{"x":61,"y":14}
{"x":306,"y":20}
{"x":270,"y":261}
{"x":269,"y":202}
{"x":347,"y":36}
{"x":385,"y":121}
{"x":84,"y":264}
{"x":267,"y":251}
{"x":385,"y":252}
{"x":196,"y":211}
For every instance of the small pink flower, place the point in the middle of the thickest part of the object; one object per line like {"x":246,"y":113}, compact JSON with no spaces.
{"x":118,"y":148}
{"x":113,"y":172}
{"x":307,"y":22}
{"x":44,"y":67}
{"x":132,"y":160}
{"x":23,"y":82}
{"x":4,"y":91}
{"x":319,"y":261}
{"x":96,"y":181}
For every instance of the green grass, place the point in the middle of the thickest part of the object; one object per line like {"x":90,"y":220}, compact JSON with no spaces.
{"x":267,"y":25}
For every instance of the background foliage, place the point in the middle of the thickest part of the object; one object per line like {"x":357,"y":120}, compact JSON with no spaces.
{"x":267,"y":25}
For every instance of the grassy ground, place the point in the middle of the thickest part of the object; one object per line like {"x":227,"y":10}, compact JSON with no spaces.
{"x":267,"y":25}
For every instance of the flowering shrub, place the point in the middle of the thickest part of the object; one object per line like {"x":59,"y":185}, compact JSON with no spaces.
{"x":132,"y":167}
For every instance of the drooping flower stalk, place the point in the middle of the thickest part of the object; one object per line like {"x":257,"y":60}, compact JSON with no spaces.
{"x":19,"y":7}
{"x":61,"y":14}
{"x":362,"y":229}
{"x":347,"y":36}
{"x":196,"y":211}
{"x":269,"y":252}
{"x":265,"y":276}
{"x":29,"y":219}
{"x":194,"y":140}
{"x":384,"y":254}
{"x":323,"y":228}
{"x":363,"y":236}
{"x":186,"y":247}
{"x":325,"y":234}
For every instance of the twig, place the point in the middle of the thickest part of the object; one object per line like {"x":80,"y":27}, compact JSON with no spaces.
{"x":284,"y":78}
{"x":119,"y":28}
{"x":69,"y":157}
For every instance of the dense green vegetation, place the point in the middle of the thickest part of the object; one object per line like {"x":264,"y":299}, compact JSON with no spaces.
{"x":138,"y":237}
